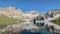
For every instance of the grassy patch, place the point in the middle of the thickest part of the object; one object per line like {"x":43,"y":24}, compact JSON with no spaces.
{"x":4,"y":21}
{"x":56,"y":21}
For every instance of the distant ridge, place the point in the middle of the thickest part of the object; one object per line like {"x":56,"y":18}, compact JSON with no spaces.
{"x":13,"y":13}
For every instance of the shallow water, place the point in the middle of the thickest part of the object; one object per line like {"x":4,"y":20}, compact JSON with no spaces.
{"x":39,"y":32}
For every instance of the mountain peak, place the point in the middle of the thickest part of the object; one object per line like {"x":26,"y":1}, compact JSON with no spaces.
{"x":33,"y":12}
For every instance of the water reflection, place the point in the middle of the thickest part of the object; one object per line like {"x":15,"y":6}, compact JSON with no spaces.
{"x":39,"y":32}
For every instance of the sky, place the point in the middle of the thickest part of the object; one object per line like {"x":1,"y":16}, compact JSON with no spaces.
{"x":29,"y":5}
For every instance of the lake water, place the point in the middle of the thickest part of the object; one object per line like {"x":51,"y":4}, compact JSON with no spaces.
{"x":39,"y":32}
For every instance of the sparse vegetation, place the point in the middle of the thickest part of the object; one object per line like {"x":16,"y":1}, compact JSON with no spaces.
{"x":5,"y":21}
{"x":56,"y":21}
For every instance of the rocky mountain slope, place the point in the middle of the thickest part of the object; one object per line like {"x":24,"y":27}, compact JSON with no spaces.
{"x":18,"y":20}
{"x":11,"y":16}
{"x":13,"y":13}
{"x":10,"y":12}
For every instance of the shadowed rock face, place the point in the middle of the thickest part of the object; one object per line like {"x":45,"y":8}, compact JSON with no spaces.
{"x":18,"y":28}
